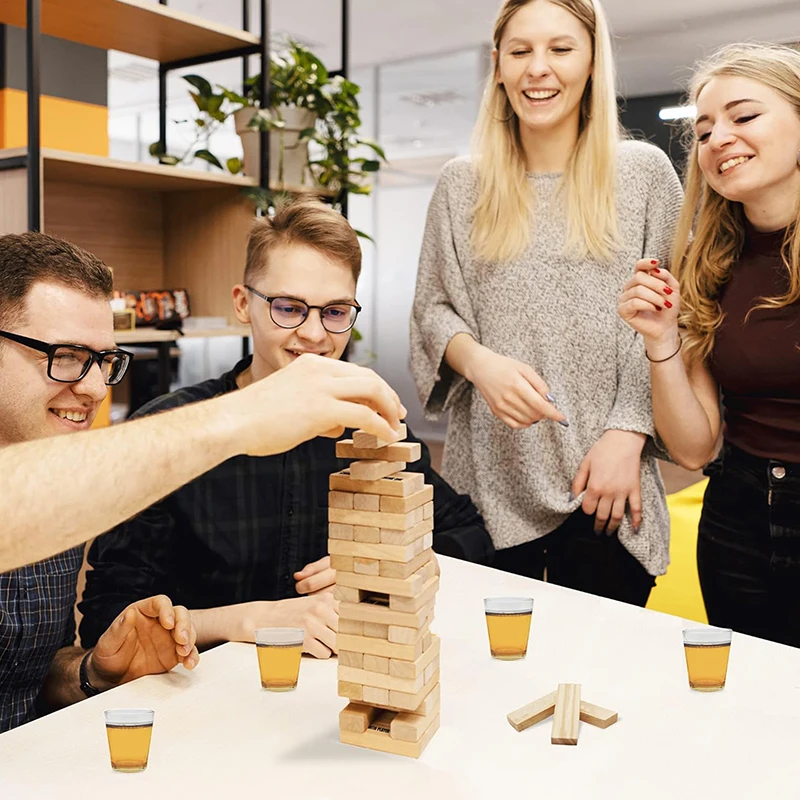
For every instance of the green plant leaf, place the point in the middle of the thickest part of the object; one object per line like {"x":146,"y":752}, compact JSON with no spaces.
{"x":207,"y":155}
{"x":233,"y":97}
{"x":364,"y":235}
{"x":356,"y":337}
{"x":371,"y":166}
{"x":234,"y":165}
{"x":157,"y":149}
{"x":200,"y":101}
{"x":199,"y":83}
{"x":373,"y":146}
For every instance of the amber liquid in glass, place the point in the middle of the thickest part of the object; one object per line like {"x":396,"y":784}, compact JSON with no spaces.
{"x":508,"y":634}
{"x":707,"y":665}
{"x":279,"y":665}
{"x":129,"y":746}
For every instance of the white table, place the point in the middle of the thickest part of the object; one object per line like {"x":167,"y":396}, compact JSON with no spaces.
{"x":217,"y":733}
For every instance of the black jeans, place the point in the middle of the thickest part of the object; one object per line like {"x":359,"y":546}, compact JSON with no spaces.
{"x":748,"y":546}
{"x":578,"y":558}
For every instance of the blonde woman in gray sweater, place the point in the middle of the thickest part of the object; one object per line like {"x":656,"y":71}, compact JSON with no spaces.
{"x":514,"y":328}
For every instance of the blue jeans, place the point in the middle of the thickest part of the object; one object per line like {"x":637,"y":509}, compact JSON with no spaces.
{"x":748,"y":546}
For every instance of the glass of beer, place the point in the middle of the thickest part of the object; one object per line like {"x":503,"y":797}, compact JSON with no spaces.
{"x":508,"y":620}
{"x":279,"y":651}
{"x":128,"y":731}
{"x":707,"y":651}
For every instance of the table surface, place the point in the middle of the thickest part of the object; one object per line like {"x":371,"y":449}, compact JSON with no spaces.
{"x":215,"y":730}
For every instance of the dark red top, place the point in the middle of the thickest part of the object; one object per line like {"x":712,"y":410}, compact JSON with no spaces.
{"x":757,"y":363}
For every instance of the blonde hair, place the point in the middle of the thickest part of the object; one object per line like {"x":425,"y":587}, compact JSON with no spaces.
{"x":703,"y":257}
{"x":501,"y":230}
{"x":305,"y":222}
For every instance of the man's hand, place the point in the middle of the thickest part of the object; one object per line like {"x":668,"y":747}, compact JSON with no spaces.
{"x":147,"y":638}
{"x":610,"y":476}
{"x":313,"y":396}
{"x":316,"y":577}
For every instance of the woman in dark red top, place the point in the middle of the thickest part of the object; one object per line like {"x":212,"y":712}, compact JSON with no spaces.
{"x":735,"y":315}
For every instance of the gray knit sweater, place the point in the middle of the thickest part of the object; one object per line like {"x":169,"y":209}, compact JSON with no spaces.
{"x":558,"y":314}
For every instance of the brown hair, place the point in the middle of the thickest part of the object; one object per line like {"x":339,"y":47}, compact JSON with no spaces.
{"x":28,"y":258}
{"x":304,"y":222}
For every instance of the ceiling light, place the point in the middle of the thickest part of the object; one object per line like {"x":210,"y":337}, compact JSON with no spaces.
{"x":677,"y":112}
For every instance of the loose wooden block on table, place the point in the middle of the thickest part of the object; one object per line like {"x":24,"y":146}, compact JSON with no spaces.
{"x":356,"y":717}
{"x":380,"y":647}
{"x":370,"y":441}
{"x":341,"y":499}
{"x":373,"y":663}
{"x":367,"y":612}
{"x":424,"y":594}
{"x":375,"y":470}
{"x":377,"y":519}
{"x":411,"y":670}
{"x":350,"y":659}
{"x":393,"y":569}
{"x":402,"y":484}
{"x":375,"y":740}
{"x":597,"y":716}
{"x":523,"y":718}
{"x":366,"y":502}
{"x":409,"y":536}
{"x":366,"y":566}
{"x":566,"y":717}
{"x":397,"y":451}
{"x":402,"y":505}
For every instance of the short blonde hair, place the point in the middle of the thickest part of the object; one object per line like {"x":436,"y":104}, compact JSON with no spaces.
{"x":304,"y":222}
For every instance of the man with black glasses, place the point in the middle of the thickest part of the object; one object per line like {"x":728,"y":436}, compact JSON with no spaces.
{"x":244,"y":546}
{"x":57,"y":356}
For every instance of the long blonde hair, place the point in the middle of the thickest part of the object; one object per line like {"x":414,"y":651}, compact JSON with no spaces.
{"x":501,"y":230}
{"x":710,"y":233}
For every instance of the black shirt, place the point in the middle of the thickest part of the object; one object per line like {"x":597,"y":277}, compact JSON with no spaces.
{"x":239,"y":532}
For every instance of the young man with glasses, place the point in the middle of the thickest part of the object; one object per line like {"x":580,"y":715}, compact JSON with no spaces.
{"x":57,"y":356}
{"x":244,"y":545}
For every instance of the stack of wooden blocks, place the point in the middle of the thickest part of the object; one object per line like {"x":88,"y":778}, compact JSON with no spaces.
{"x":380,"y":536}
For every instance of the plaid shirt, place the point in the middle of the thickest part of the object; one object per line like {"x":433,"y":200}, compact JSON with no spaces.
{"x":37,"y":618}
{"x":239,"y":532}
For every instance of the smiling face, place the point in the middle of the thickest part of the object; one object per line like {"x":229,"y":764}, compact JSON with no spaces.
{"x":544,"y":60}
{"x":301,"y":273}
{"x":748,"y":139}
{"x":32,"y":406}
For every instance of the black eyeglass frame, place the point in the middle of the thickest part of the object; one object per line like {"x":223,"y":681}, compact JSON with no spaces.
{"x":97,"y":356}
{"x":270,"y":300}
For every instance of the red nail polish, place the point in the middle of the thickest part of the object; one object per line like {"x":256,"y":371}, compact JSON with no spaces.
{"x":654,"y":262}
{"x":668,"y":304}
{"x":667,"y":290}
{"x":657,"y":270}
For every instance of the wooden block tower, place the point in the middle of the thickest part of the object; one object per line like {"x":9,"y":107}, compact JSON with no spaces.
{"x":380,"y":535}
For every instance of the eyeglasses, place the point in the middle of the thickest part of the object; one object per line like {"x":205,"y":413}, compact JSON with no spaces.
{"x":70,"y":363}
{"x":288,"y":312}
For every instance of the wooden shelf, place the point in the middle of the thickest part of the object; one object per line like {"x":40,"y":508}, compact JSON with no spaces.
{"x":141,"y":27}
{"x":144,"y":335}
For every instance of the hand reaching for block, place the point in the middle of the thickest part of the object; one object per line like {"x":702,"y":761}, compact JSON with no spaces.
{"x":316,"y":577}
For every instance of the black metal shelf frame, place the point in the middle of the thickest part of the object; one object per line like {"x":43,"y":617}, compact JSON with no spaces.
{"x":32,"y":160}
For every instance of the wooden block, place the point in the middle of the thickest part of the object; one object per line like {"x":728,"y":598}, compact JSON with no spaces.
{"x":383,"y":721}
{"x":371,"y":442}
{"x":426,"y":640}
{"x":351,"y":627}
{"x":380,"y":681}
{"x":348,"y":659}
{"x":340,"y":532}
{"x":597,"y":716}
{"x":397,"y":451}
{"x":340,"y":499}
{"x":381,"y":647}
{"x":431,"y":700}
{"x":368,"y":612}
{"x":411,"y":602}
{"x":366,"y":502}
{"x":400,"y":635}
{"x":408,"y":702}
{"x":376,"y":630}
{"x":356,"y":717}
{"x":372,"y":663}
{"x":366,"y":566}
{"x":383,"y":742}
{"x":375,"y":470}
{"x":366,"y":534}
{"x":431,"y":670}
{"x":341,"y":564}
{"x":567,"y":714}
{"x":427,"y":511}
{"x":347,"y":594}
{"x":375,"y":695}
{"x":384,"y":552}
{"x":409,"y":589}
{"x":401,"y":505}
{"x":408,"y":727}
{"x":526,"y":716}
{"x":408,"y":536}
{"x":355,"y":691}
{"x":401,"y":484}
{"x":410,"y":670}
{"x":376,"y":519}
{"x":393,"y":569}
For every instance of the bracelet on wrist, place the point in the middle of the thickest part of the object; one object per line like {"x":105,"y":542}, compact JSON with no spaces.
{"x":662,"y":360}
{"x":83,"y":677}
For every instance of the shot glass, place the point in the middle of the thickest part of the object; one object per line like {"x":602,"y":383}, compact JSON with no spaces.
{"x":707,"y":651}
{"x":129,"y":731}
{"x":508,"y":620}
{"x":279,"y":651}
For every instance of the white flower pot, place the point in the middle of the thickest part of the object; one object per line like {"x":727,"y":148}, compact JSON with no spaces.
{"x":288,"y":157}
